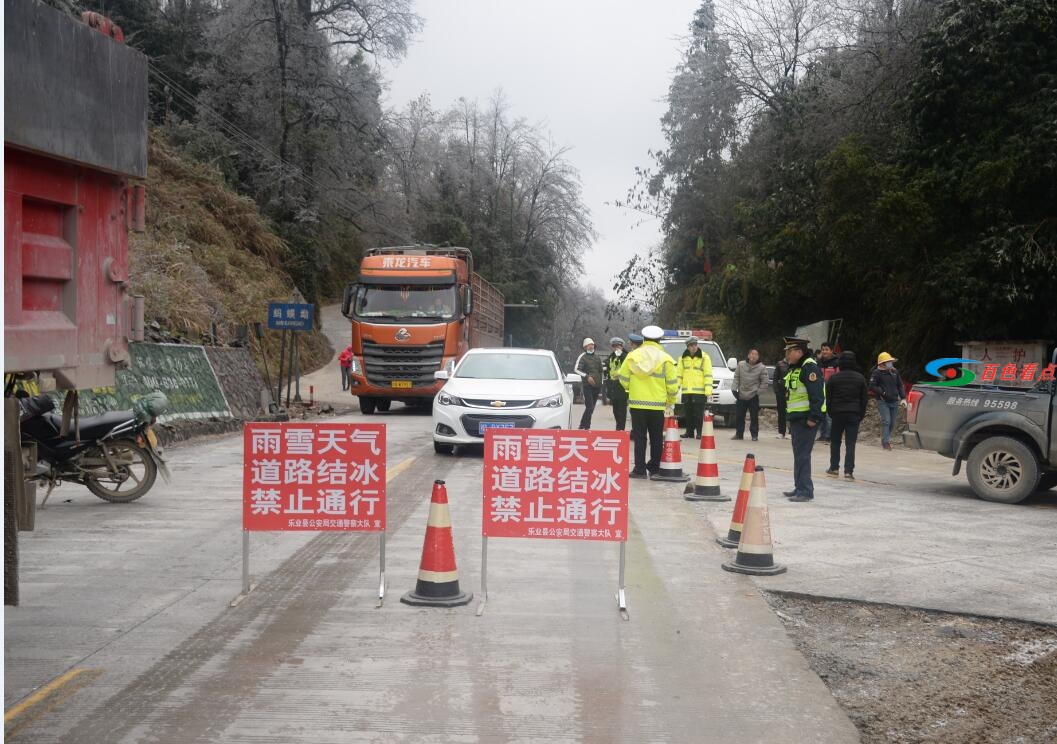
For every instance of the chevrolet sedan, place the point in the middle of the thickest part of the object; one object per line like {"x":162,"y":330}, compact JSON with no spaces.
{"x":500,"y":389}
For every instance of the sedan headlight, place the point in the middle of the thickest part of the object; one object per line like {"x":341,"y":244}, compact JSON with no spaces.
{"x":449,"y":400}
{"x":554,"y":401}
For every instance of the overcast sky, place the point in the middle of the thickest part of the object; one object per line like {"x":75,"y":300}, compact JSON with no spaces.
{"x":595,"y":73}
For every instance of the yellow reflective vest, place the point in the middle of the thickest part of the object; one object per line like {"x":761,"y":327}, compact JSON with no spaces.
{"x":695,"y":374}
{"x":650,"y":377}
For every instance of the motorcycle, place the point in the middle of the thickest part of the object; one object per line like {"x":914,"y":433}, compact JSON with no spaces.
{"x":115,"y":455}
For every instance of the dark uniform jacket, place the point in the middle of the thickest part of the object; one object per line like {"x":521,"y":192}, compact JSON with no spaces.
{"x":589,"y":364}
{"x":811,"y":379}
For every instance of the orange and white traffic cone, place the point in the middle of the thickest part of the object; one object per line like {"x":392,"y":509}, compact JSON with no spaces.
{"x":755,"y":553}
{"x":438,"y":576}
{"x":706,"y":484}
{"x":671,"y":465}
{"x":737,"y":519}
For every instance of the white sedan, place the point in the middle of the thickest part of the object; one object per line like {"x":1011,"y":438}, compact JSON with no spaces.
{"x":500,"y":389}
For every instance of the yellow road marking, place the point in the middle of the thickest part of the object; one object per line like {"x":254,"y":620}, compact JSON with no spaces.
{"x":52,"y":689}
{"x":400,"y":467}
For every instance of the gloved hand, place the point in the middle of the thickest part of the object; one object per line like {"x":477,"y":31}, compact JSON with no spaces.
{"x":669,"y":411}
{"x":904,"y":403}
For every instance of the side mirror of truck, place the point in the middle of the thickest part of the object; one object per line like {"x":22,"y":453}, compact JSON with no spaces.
{"x":732,"y":364}
{"x":467,"y":301}
{"x":346,"y":300}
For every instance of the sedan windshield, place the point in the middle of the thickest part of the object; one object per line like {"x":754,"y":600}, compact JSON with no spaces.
{"x":405,"y":301}
{"x":500,"y":366}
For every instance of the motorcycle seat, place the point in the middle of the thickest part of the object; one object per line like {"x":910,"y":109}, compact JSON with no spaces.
{"x":92,"y":427}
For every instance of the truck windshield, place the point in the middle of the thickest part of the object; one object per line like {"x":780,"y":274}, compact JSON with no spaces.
{"x":403,"y":301}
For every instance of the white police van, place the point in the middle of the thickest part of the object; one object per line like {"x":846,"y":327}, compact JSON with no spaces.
{"x":722,"y":401}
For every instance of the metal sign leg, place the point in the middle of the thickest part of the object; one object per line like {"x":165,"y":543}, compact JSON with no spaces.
{"x":484,"y":575}
{"x":622,"y":601}
{"x":247,"y":587}
{"x":381,"y":569}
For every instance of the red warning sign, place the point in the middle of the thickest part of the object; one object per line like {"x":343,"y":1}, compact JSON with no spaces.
{"x":556,"y":484}
{"x":320,"y":477}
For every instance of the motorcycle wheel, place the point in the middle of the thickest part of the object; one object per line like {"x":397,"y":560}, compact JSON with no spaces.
{"x":136,"y":473}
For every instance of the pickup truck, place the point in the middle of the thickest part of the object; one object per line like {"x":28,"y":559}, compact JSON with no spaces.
{"x":1007,"y":436}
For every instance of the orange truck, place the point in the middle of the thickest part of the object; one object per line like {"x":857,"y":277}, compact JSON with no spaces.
{"x":415,"y":310}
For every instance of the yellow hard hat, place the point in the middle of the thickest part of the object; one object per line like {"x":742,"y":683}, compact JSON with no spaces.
{"x":883,"y":357}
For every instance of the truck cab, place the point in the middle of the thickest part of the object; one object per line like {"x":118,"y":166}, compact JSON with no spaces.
{"x":413,"y":311}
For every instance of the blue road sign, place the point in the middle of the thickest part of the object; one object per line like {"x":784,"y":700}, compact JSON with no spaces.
{"x":289,"y":316}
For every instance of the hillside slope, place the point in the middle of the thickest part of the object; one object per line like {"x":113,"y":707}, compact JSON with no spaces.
{"x":209,"y":262}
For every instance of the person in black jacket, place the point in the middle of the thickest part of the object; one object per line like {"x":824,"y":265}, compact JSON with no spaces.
{"x":846,"y":399}
{"x":780,"y":371}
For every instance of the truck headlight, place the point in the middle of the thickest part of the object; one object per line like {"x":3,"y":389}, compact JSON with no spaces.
{"x":725,"y":384}
{"x":554,"y":401}
{"x":355,"y":367}
{"x":449,"y":400}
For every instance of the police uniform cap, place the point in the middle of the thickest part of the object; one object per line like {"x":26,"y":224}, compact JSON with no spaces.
{"x":653,"y":333}
{"x":692,"y":340}
{"x":791,"y":342}
{"x":616,"y":341}
{"x":635,"y":338}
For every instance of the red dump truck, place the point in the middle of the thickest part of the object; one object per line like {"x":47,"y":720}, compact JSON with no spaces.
{"x":415,"y":310}
{"x":75,"y":140}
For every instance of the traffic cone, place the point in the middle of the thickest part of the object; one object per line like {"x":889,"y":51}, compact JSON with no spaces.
{"x":737,"y":519}
{"x":671,"y":465}
{"x":706,"y":484}
{"x":755,"y":554}
{"x":438,"y":577}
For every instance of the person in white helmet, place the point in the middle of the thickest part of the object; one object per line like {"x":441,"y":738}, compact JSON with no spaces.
{"x":589,"y":367}
{"x":652,"y":381}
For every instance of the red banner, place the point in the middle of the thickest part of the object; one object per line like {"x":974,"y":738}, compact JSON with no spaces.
{"x":556,"y":484}
{"x":320,"y":477}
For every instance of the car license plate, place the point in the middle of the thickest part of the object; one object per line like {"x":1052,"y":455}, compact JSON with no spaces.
{"x":403,"y":384}
{"x":496,"y":425}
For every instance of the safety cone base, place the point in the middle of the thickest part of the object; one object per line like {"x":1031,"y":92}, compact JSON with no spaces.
{"x":694,"y":496}
{"x":771,"y":570}
{"x":726,"y":542}
{"x":419,"y":600}
{"x":674,"y":478}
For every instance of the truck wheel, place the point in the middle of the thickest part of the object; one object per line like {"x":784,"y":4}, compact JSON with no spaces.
{"x":383,"y":404}
{"x":1003,"y":469}
{"x":366,"y":405}
{"x":443,"y":449}
{"x":1047,"y":482}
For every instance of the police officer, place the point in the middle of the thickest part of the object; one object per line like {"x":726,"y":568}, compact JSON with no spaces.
{"x":805,"y":408}
{"x":652,"y":381}
{"x":695,"y":376}
{"x":617,"y":396}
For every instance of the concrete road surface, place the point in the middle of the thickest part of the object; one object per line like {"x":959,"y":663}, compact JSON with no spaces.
{"x":125,"y":633}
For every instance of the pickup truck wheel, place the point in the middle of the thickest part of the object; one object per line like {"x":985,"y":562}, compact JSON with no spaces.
{"x":1003,"y":469}
{"x":1047,"y":482}
{"x":367,"y":405}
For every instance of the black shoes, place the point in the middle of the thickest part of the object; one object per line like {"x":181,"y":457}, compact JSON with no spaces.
{"x":738,"y":436}
{"x":641,"y":476}
{"x":801,"y":498}
{"x":849,"y":476}
{"x":755,"y":438}
{"x":790,"y":494}
{"x":833,"y":473}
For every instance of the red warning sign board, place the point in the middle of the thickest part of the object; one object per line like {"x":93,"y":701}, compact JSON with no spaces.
{"x":556,"y":484}
{"x":319,"y":477}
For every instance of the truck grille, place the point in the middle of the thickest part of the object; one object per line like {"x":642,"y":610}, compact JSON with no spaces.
{"x":386,"y":364}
